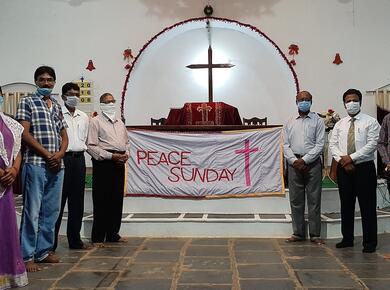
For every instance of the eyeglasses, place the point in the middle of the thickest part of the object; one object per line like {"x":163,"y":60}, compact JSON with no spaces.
{"x":45,"y":80}
{"x":108,"y":102}
{"x":71,"y":95}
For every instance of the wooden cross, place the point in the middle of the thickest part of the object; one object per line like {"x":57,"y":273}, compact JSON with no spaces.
{"x":210,"y":67}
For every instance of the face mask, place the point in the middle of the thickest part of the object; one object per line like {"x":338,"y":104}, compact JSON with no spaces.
{"x":44,"y":92}
{"x":108,"y":110}
{"x":352,"y":108}
{"x":304,"y":106}
{"x":71,"y":101}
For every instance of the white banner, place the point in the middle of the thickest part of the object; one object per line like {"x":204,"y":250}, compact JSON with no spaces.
{"x":174,"y":164}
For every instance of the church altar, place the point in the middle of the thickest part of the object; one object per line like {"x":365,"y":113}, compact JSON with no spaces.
{"x":207,"y":113}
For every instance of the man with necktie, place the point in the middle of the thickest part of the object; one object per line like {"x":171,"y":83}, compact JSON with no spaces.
{"x":353,"y":144}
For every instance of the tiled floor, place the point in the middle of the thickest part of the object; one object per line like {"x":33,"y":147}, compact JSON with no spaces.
{"x":217,"y":264}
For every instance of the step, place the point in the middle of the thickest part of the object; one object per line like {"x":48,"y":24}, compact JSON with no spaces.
{"x":223,"y":225}
{"x":230,"y":217}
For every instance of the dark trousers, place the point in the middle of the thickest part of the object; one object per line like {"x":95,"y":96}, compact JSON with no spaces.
{"x":73,"y":192}
{"x":361,"y":184}
{"x":107,"y":195}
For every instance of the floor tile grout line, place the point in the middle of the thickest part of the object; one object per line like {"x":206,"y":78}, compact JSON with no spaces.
{"x":346,"y":269}
{"x":234,"y":266}
{"x":267,"y":279}
{"x":54,"y":285}
{"x":131,"y":259}
{"x":290,"y":270}
{"x":180,"y":264}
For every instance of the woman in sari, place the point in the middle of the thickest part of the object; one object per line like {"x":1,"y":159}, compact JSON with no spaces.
{"x":12,"y":269}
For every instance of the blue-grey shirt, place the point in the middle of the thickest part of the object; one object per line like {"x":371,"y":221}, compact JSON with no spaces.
{"x":45,"y":125}
{"x":304,"y":136}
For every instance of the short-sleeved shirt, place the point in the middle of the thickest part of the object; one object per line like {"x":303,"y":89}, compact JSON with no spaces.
{"x":77,"y":129}
{"x":45,"y":125}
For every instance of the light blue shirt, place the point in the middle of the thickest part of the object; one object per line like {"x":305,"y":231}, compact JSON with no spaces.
{"x":304,"y":136}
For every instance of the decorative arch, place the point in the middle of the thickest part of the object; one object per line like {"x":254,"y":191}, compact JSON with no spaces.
{"x":200,"y":23}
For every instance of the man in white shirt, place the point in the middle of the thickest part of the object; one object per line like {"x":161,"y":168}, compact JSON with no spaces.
{"x":303,"y":144}
{"x":353,"y":144}
{"x":74,"y":161}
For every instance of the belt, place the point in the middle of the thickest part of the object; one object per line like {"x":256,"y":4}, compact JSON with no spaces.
{"x":74,"y":153}
{"x":116,"y":151}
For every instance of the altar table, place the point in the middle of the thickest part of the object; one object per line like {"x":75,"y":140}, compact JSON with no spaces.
{"x":215,"y":113}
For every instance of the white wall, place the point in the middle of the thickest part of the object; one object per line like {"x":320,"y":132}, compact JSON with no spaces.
{"x":67,"y":33}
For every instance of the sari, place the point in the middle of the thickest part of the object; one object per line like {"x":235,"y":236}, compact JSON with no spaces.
{"x":12,"y":269}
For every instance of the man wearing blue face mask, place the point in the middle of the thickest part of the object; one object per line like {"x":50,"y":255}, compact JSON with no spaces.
{"x":74,"y":161}
{"x":353,"y":144}
{"x":304,"y":137}
{"x":42,"y":175}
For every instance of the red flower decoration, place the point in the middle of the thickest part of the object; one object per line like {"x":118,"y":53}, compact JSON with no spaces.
{"x":127,"y":54}
{"x":293,"y":62}
{"x":330,"y":111}
{"x":293,"y":49}
{"x":127,"y":66}
{"x":337,"y":59}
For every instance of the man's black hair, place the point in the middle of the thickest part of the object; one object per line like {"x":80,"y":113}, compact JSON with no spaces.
{"x":353,"y":92}
{"x":44,"y":69}
{"x":69,"y":86}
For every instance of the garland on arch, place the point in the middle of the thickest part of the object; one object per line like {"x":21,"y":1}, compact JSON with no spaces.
{"x":226,"y":20}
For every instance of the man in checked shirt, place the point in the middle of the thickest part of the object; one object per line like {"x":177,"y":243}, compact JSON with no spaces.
{"x":42,"y":175}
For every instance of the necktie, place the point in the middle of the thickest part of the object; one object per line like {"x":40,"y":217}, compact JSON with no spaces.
{"x":351,"y":138}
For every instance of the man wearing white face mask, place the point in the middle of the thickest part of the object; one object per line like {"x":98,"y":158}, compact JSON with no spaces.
{"x":74,"y":161}
{"x":108,"y":145}
{"x":353,"y":144}
{"x":303,"y":136}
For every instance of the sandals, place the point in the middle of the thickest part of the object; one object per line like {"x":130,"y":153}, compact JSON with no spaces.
{"x":294,"y":239}
{"x":317,"y":241}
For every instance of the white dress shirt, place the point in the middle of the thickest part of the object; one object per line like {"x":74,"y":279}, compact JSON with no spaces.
{"x":77,"y":129}
{"x":366,"y":137}
{"x":304,"y":136}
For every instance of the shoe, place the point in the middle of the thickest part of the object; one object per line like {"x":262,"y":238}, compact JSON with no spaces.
{"x":294,"y":239}
{"x":368,"y":250}
{"x":317,"y":241}
{"x":344,"y":244}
